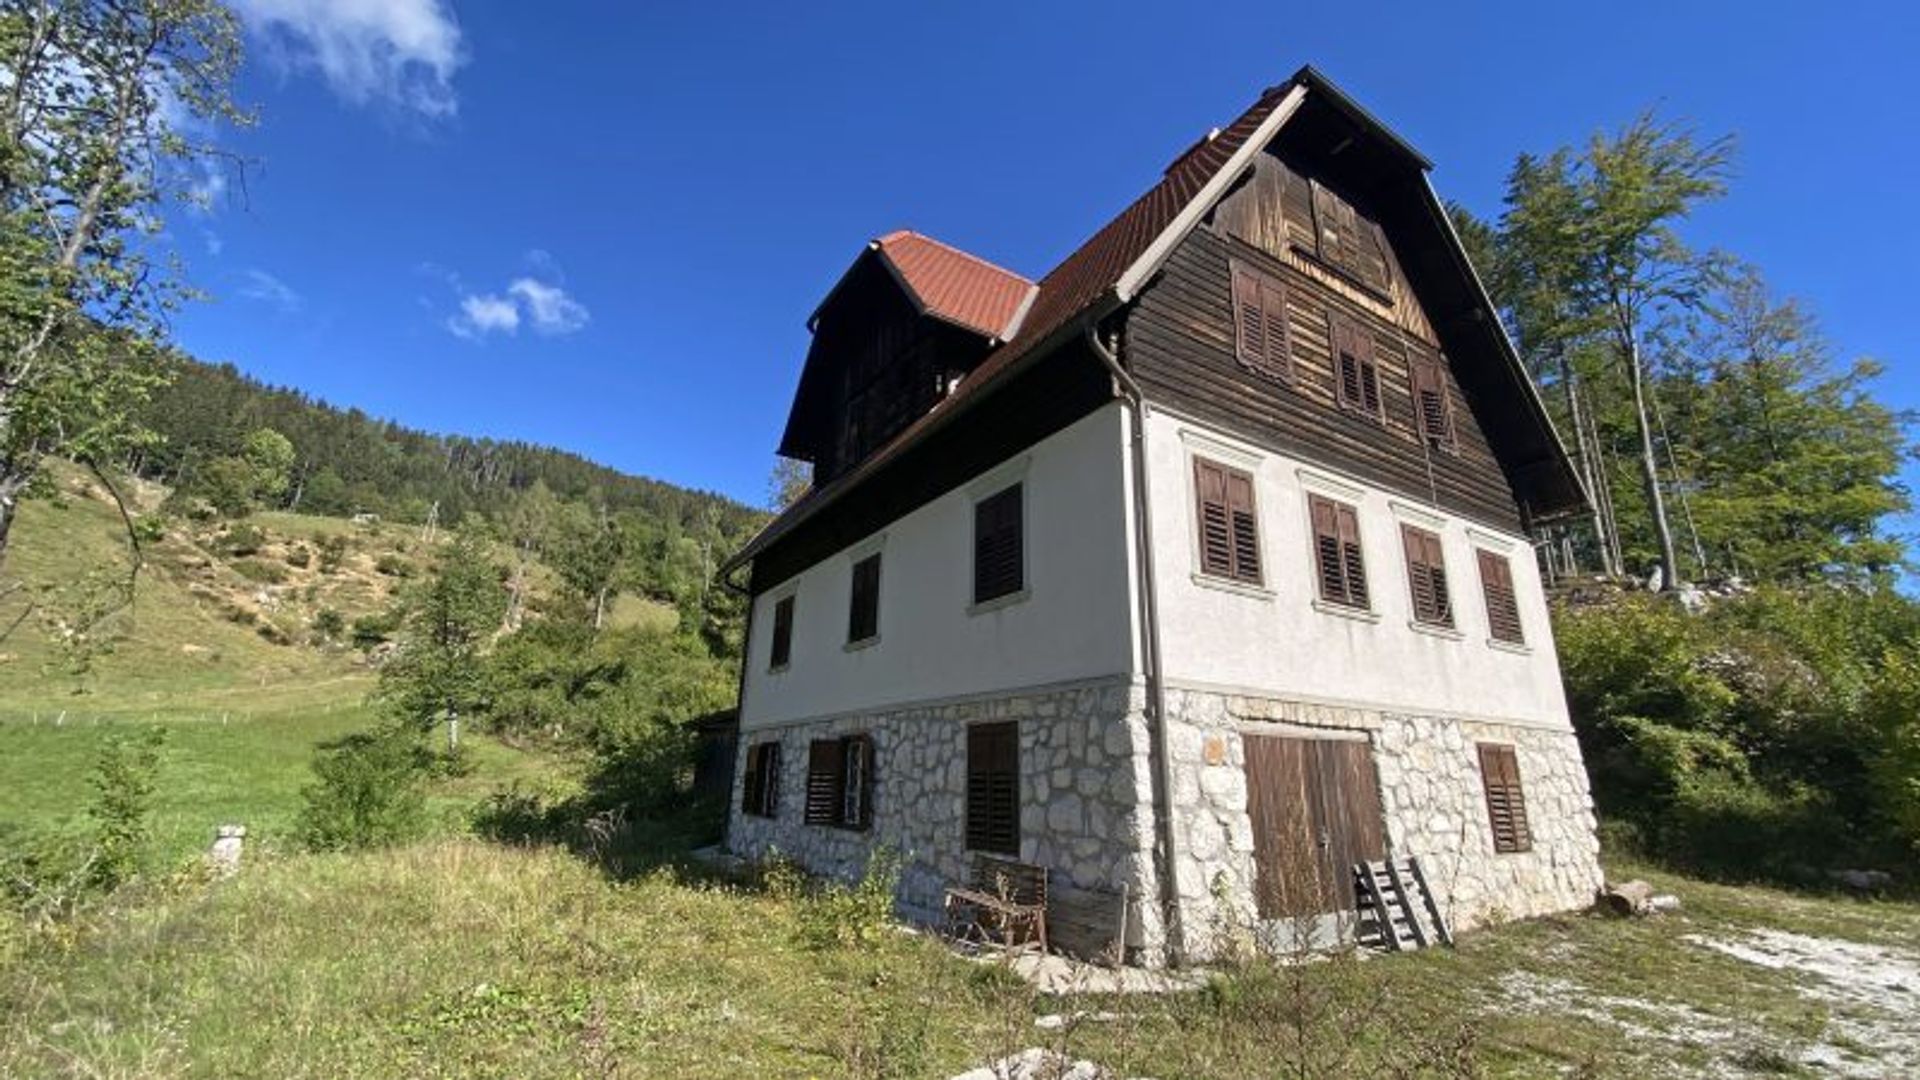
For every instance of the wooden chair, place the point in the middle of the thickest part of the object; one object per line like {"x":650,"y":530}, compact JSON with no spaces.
{"x":1005,"y":898}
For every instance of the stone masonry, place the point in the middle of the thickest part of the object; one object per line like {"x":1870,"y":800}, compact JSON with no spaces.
{"x":1087,"y":803}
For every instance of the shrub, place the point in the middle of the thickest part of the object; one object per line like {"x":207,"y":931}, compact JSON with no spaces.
{"x":329,"y":624}
{"x":150,"y":528}
{"x":264,"y":573}
{"x":393,"y":566}
{"x":299,"y":556}
{"x":836,"y":914}
{"x":333,"y":552}
{"x":366,"y":792}
{"x":241,"y":540}
{"x":374,"y":630}
{"x":125,"y":776}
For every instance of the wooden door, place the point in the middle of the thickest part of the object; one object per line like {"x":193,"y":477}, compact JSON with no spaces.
{"x":1315,"y":808}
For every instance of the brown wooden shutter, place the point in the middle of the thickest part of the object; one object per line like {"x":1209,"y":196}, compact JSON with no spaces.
{"x":1216,"y":528}
{"x":1503,"y":609}
{"x":1245,"y":526}
{"x":863,"y":615}
{"x":1506,"y":802}
{"x":998,"y":536}
{"x":1260,"y":324}
{"x":824,"y":761}
{"x":1326,"y":549}
{"x":782,"y":632}
{"x":750,"y":786}
{"x":1351,"y":562}
{"x":1356,"y":371}
{"x":1427,"y":576}
{"x":993,"y":788}
{"x":1433,"y":412}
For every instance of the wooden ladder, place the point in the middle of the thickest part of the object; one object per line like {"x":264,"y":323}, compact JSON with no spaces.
{"x":1388,"y":892}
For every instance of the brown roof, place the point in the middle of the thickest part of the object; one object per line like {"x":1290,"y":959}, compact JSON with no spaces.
{"x":955,"y":286}
{"x":1081,"y":280}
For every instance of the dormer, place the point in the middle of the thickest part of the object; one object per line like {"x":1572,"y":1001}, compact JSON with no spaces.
{"x":907,"y":321}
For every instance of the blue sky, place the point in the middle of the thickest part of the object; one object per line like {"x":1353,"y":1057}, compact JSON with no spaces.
{"x":602,"y":226}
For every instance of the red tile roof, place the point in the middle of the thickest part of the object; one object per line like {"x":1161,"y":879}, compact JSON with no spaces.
{"x":1068,"y":290}
{"x":956,"y":286}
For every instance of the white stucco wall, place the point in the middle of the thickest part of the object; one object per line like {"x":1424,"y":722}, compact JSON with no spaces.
{"x":1075,"y":622}
{"x":1275,"y":640}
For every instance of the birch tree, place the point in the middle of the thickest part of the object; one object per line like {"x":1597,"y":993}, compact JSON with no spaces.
{"x":106,"y":108}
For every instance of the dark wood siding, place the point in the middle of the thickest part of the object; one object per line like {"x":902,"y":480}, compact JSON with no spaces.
{"x":1181,"y":342}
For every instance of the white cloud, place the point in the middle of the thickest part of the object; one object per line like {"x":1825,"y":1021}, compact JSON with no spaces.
{"x":483,"y":315}
{"x":257,"y":284}
{"x":549,"y":306}
{"x":399,"y":52}
{"x":215,"y":245}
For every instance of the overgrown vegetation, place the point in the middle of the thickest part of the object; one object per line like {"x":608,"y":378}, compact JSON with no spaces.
{"x":1772,"y":734}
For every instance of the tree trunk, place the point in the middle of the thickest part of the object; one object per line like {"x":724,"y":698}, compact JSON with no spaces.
{"x":10,"y":488}
{"x":599,"y":608}
{"x":1650,"y":473}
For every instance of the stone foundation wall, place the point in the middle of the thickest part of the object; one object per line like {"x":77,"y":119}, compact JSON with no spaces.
{"x":1086,"y":796}
{"x":1433,"y":804}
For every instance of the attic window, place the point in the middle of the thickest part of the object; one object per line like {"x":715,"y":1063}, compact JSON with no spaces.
{"x":1348,"y":241}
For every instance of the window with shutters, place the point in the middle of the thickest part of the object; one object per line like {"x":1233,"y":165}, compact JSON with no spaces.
{"x":839,"y":779}
{"x":1506,"y":802}
{"x":1432,"y":409}
{"x":1229,"y":525}
{"x":782,"y":651}
{"x":1260,"y":324}
{"x":863,"y":608}
{"x":1427,"y":577}
{"x":993,"y":788}
{"x":1347,"y":241}
{"x":1503,"y":608}
{"x":1338,"y":565}
{"x":760,"y":792}
{"x":1356,"y":373}
{"x":999,"y":545}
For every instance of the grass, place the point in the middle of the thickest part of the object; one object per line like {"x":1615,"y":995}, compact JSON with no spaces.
{"x":459,"y":957}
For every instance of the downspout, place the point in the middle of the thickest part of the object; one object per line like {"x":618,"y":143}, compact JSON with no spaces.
{"x":1150,"y":619}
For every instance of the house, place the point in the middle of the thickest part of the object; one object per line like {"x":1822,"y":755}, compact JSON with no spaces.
{"x":1194,"y":572}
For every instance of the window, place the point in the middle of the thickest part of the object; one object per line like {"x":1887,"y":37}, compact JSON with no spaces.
{"x":1427,"y":576}
{"x":993,"y":788}
{"x":839,"y":780}
{"x":1336,"y":552}
{"x":998,"y":536}
{"x":1229,"y":528}
{"x":1432,"y":409}
{"x":1260,"y":324}
{"x":782,"y":633}
{"x":1506,"y":803}
{"x":863,"y":611}
{"x":760,"y":795}
{"x":1356,"y":375}
{"x":1347,"y":241}
{"x":1503,"y":610}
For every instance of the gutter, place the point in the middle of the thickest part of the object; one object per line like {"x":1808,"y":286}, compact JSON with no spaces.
{"x":1150,"y":623}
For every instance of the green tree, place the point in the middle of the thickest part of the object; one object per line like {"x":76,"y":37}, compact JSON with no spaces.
{"x":592,"y":557}
{"x":125,"y":776}
{"x":438,"y":673}
{"x":1795,"y":465}
{"x":90,"y":155}
{"x":789,"y":480}
{"x":270,"y":456}
{"x":530,"y":523}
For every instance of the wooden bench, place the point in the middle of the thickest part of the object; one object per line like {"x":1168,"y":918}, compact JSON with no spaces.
{"x":1005,"y":898}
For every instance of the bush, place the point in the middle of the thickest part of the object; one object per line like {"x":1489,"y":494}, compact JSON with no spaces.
{"x":834,"y":914}
{"x":125,"y":775}
{"x":370,"y":631}
{"x":333,"y":552}
{"x":263,"y":573}
{"x":241,"y":540}
{"x":329,"y":624}
{"x":393,"y":566}
{"x":366,"y":792}
{"x":150,"y":528}
{"x":299,"y":556}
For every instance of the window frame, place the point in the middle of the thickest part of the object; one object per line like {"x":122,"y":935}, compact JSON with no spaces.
{"x":760,"y":786}
{"x":977,"y":824}
{"x":1430,"y":562}
{"x":1015,"y":493}
{"x":1351,"y":557}
{"x":780,"y":640}
{"x":856,"y":615}
{"x":1503,"y":594}
{"x":1245,"y":557}
{"x":840,"y":782}
{"x":1506,"y":798}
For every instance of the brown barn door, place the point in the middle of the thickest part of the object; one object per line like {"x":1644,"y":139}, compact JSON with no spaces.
{"x":1316,"y":811}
